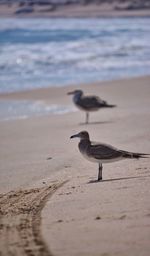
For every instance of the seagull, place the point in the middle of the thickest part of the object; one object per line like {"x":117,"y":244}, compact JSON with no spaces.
{"x":88,"y":103}
{"x":102,"y":153}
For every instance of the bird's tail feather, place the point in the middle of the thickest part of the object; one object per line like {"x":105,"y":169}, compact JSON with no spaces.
{"x":109,"y":106}
{"x":135,"y":155}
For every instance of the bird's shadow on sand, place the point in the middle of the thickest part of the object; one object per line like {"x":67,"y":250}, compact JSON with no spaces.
{"x":98,"y":122}
{"x":117,"y":179}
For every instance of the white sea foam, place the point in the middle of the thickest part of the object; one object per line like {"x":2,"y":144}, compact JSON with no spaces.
{"x":43,"y":52}
{"x":11,"y":110}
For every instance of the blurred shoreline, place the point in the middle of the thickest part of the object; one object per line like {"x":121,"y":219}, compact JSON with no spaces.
{"x":76,"y":9}
{"x":53,"y":100}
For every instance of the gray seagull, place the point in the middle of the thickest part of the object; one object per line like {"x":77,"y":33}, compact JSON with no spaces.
{"x":102,"y":153}
{"x":88,"y":103}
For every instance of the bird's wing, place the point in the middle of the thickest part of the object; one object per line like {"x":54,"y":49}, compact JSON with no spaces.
{"x":92,"y":102}
{"x":103,"y":151}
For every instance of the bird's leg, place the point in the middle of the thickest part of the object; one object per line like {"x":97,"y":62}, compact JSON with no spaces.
{"x":87,"y":117}
{"x":100,"y":172}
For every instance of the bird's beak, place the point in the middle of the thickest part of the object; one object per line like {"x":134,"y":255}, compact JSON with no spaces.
{"x":70,"y":93}
{"x":75,"y":136}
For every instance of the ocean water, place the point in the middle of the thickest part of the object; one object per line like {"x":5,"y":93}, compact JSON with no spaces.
{"x":56,"y":52}
{"x":36,"y":53}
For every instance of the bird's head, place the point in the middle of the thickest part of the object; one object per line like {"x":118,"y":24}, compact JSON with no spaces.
{"x":82,"y":135}
{"x":75,"y":92}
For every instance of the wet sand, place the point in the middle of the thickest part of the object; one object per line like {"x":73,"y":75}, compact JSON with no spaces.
{"x":41,"y":215}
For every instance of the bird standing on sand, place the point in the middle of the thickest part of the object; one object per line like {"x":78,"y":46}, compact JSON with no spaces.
{"x":102,"y":153}
{"x":88,"y":103}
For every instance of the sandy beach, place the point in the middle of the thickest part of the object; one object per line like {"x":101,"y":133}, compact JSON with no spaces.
{"x":55,"y":206}
{"x":106,"y":9}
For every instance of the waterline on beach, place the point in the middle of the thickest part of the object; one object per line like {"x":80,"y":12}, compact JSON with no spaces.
{"x":13,"y":109}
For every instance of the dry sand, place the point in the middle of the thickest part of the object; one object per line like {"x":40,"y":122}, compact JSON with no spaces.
{"x":85,"y":11}
{"x":82,"y":217}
